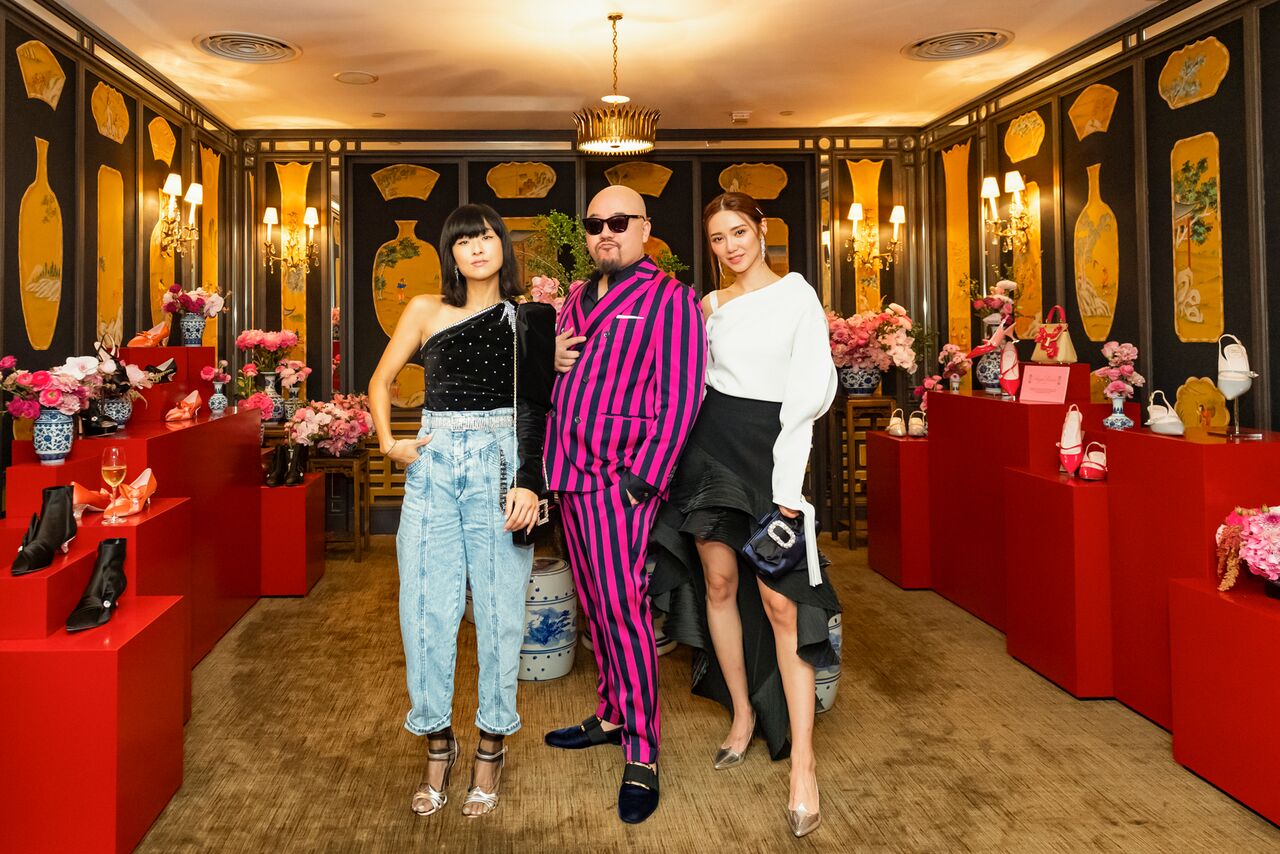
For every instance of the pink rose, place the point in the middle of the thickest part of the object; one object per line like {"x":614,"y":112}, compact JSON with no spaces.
{"x":7,"y":362}
{"x":250,"y":369}
{"x":207,"y":372}
{"x":50,"y":397}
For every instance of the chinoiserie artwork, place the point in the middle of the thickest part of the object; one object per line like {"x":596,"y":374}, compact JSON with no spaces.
{"x":40,"y":253}
{"x":405,"y":181}
{"x":1091,"y":111}
{"x":293,"y":178}
{"x":760,"y":181}
{"x":163,"y":142}
{"x":1194,"y":73}
{"x":210,"y":178}
{"x":521,"y":229}
{"x":1097,"y":262}
{"x":1197,"y":239}
{"x":41,"y":73}
{"x":1024,"y":137}
{"x":110,"y":324}
{"x":110,"y":113}
{"x":404,"y":267}
{"x":1199,"y":403}
{"x":777,"y":248}
{"x":955,"y":169}
{"x":647,"y":178}
{"x":525,"y":180}
{"x":865,"y":178}
{"x":160,"y":273}
{"x":1028,"y":269}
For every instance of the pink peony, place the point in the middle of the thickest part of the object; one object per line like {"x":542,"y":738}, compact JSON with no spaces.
{"x":207,"y":372}
{"x":40,"y":379}
{"x":250,"y":369}
{"x":50,"y":397}
{"x":7,"y":363}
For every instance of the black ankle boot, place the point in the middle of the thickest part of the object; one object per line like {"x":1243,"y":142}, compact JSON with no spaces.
{"x":106,"y":586}
{"x":297,"y":465}
{"x":94,"y":423}
{"x":279,"y":465}
{"x":52,"y":529}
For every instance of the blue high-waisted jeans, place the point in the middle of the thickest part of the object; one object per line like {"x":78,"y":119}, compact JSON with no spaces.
{"x":451,"y":530}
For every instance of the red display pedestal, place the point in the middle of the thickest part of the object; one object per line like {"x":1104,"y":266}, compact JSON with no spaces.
{"x":1225,"y":686}
{"x":1177,"y":492}
{"x":973,"y":437}
{"x":898,"y":509}
{"x":292,"y":537}
{"x":187,"y":363}
{"x":1059,"y":580}
{"x":91,"y":741}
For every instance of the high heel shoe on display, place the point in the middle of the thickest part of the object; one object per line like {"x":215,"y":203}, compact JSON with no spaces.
{"x":156,"y":336}
{"x":163,"y":372}
{"x":51,"y":531}
{"x":1162,"y":418}
{"x":93,"y":422}
{"x":991,"y":344}
{"x":134,"y":496}
{"x":1234,"y":376}
{"x":917,"y":426}
{"x":1094,"y":465}
{"x":83,"y":498}
{"x":1071,"y":445}
{"x":897,"y":427}
{"x":428,"y":799}
{"x":1010,"y":370}
{"x":186,"y":409}
{"x":106,"y":585}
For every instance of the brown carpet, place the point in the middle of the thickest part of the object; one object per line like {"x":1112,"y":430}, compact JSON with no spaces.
{"x":939,"y":741}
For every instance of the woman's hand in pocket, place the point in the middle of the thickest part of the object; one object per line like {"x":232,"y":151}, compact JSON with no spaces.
{"x":521,"y":510}
{"x":405,"y":451}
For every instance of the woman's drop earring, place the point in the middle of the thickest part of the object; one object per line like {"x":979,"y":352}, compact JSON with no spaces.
{"x":763,"y":251}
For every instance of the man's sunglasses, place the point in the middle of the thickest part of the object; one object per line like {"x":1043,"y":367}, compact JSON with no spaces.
{"x":617,"y":223}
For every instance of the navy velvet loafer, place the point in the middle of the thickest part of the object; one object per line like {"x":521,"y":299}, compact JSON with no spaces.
{"x":638,"y":794}
{"x":589,"y":733}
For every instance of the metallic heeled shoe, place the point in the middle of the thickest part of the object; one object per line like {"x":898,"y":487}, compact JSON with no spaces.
{"x":428,"y":799}
{"x":726,"y":758}
{"x":802,"y":821}
{"x":478,"y":796}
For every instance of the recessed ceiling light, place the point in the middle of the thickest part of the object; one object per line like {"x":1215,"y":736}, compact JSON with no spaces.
{"x":379,"y":115}
{"x":957,"y":45}
{"x":356,"y":78}
{"x":247,"y":47}
{"x":739,"y":117}
{"x":787,"y":113}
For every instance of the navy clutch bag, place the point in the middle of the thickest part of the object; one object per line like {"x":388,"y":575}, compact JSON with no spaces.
{"x":776,"y":547}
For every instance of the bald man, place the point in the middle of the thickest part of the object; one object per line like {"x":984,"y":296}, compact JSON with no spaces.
{"x":621,"y":411}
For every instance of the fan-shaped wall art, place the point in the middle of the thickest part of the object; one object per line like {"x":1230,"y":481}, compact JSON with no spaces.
{"x":527,"y":180}
{"x":405,"y":181}
{"x":110,"y":113}
{"x":40,"y":253}
{"x":1024,"y":137}
{"x":647,"y":178}
{"x":1194,"y":73}
{"x":758,"y":180}
{"x":404,"y":267}
{"x":1091,"y":111}
{"x":1197,"y":239}
{"x":110,"y":325}
{"x":1200,"y":404}
{"x":41,"y":73}
{"x":163,"y":142}
{"x":1097,"y":262}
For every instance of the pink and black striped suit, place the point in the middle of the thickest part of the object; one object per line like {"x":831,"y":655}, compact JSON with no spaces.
{"x":627,"y":405}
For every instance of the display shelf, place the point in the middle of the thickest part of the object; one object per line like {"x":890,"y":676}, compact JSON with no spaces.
{"x":293,"y":554}
{"x":898,"y":509}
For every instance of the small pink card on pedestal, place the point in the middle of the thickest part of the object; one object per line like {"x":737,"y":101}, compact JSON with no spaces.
{"x":1044,"y":383}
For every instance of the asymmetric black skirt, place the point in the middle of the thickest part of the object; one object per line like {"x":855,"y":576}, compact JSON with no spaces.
{"x":723,"y":484}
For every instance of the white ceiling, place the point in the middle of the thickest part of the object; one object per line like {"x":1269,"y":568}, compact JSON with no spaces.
{"x":528,"y":64}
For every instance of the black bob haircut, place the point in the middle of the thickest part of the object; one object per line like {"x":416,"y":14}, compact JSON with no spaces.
{"x":471,"y":221}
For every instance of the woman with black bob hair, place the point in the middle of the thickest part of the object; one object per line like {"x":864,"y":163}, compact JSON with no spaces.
{"x":473,"y":478}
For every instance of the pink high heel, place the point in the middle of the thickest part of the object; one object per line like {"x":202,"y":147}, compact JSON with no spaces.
{"x":1094,"y":466}
{"x":1071,"y":445}
{"x":991,"y":344}
{"x":1010,"y":370}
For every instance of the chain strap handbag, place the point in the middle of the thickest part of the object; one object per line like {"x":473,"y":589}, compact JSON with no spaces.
{"x":545,"y":507}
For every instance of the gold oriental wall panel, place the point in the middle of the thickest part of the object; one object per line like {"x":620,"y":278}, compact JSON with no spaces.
{"x":163,"y":142}
{"x":1091,"y":111}
{"x":292,"y":178}
{"x":1197,"y":238}
{"x":1194,"y":73}
{"x":110,"y":112}
{"x":404,"y":267}
{"x":955,"y":165}
{"x":405,"y":181}
{"x":210,"y":238}
{"x":865,"y":175}
{"x":1024,"y":137}
{"x":649,"y":179}
{"x":1028,"y":269}
{"x":527,"y":180}
{"x":41,"y":73}
{"x":40,"y":253}
{"x":110,"y":323}
{"x":761,"y":181}
{"x":1097,"y":261}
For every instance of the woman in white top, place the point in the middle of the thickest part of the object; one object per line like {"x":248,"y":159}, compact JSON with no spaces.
{"x":769,"y":376}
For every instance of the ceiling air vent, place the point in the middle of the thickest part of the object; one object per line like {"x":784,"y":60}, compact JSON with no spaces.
{"x":247,"y":47}
{"x":957,"y":45}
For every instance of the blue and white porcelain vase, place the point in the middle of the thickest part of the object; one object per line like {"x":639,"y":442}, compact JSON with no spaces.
{"x":954,"y":382}
{"x":291,"y":401}
{"x":987,"y":372}
{"x":52,"y":435}
{"x":192,"y":326}
{"x":860,"y":382}
{"x":827,"y":679}
{"x":550,"y":622}
{"x":217,"y":401}
{"x":269,"y":389}
{"x":118,"y":409}
{"x":1117,"y":420}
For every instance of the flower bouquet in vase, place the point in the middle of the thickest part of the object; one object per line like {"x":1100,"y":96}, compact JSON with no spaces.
{"x":1121,"y":378}
{"x":995,"y":309}
{"x":265,"y":351}
{"x":335,"y":427}
{"x":195,"y":307}
{"x":292,"y":372}
{"x":955,"y":364}
{"x":217,"y":374}
{"x":50,"y":400}
{"x":869,"y":343}
{"x":1250,"y":537}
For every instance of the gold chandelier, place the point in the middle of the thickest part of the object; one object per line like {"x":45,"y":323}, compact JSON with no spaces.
{"x":621,"y":127}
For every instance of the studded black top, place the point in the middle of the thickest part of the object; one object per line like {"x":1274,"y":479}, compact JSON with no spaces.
{"x":468,"y":364}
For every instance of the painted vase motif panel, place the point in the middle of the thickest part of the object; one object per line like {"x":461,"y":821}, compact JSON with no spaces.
{"x":405,"y":181}
{"x":865,"y":178}
{"x":1200,"y":404}
{"x":955,"y":167}
{"x":1197,"y":239}
{"x":292,"y":178}
{"x":649,"y":179}
{"x":1028,"y":270}
{"x":1024,"y":137}
{"x":527,"y":180}
{"x":1091,"y":111}
{"x":41,"y":73}
{"x":163,"y":142}
{"x":777,"y":240}
{"x":40,"y":253}
{"x":210,"y":213}
{"x":1194,"y":73}
{"x":110,"y":324}
{"x":110,"y":113}
{"x":1097,"y":262}
{"x":757,"y":180}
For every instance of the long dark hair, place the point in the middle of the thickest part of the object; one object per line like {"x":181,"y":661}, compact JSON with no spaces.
{"x":471,"y":221}
{"x":739,"y":203}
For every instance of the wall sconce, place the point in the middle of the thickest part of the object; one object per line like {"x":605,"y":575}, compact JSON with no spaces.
{"x":858,"y":248}
{"x":1011,"y":232}
{"x":294,"y":253}
{"x":175,"y":235}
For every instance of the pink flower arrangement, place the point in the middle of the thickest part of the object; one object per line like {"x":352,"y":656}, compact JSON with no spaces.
{"x":1119,"y":372}
{"x":216,"y":373}
{"x":67,"y":388}
{"x":292,"y":372}
{"x":266,"y":349}
{"x":954,"y":361}
{"x":335,"y":427}
{"x":1251,"y":537}
{"x":547,"y":289}
{"x":259,"y":401}
{"x":998,"y":304}
{"x":921,"y":391}
{"x":206,"y":301}
{"x":873,"y":339}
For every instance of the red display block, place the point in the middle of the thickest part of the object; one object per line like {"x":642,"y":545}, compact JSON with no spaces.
{"x":187,"y":362}
{"x":898,"y":509}
{"x":1058,"y":621}
{"x":24,"y":493}
{"x":36,"y":605}
{"x":91,"y":731}
{"x":973,"y":437}
{"x":1176,"y":492}
{"x":1225,"y":684}
{"x":292,"y":537}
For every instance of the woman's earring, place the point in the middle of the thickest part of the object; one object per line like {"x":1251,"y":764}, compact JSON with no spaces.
{"x":763,"y":251}
{"x":457,"y":272}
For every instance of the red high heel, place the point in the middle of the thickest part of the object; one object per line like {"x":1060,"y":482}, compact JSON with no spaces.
{"x":1094,"y":466}
{"x":83,"y":498}
{"x":990,"y":345}
{"x":186,"y":409}
{"x":1010,"y":371}
{"x":153,"y":337}
{"x":134,"y":496}
{"x":1071,"y":445}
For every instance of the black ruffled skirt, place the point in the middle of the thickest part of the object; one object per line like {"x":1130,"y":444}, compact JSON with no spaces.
{"x":723,"y":484}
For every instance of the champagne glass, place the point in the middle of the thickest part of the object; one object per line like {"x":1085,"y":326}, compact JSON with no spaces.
{"x":113,"y":471}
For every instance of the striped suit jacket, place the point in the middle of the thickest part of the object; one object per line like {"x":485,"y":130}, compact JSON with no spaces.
{"x":630,"y":400}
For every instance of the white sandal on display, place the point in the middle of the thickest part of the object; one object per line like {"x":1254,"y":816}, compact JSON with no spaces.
{"x":1071,"y":445}
{"x":917,"y":426}
{"x":897,"y":427}
{"x":1234,"y":376}
{"x":1094,"y":466}
{"x":1163,"y":419}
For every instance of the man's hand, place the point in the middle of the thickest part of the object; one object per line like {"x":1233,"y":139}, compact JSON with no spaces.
{"x":566,"y":355}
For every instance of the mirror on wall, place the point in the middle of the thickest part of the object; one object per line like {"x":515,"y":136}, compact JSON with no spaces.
{"x":824,"y":229}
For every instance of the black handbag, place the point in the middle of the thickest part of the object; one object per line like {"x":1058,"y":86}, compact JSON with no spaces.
{"x":777,"y":546}
{"x":547,"y":509}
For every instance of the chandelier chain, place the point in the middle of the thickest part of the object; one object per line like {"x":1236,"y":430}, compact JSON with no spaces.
{"x":614,"y":18}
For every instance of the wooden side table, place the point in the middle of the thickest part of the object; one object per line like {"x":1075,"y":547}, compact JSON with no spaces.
{"x":355,"y":467}
{"x":862,"y":415}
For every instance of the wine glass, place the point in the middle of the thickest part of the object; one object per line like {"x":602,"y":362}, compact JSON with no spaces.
{"x":113,"y":471}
